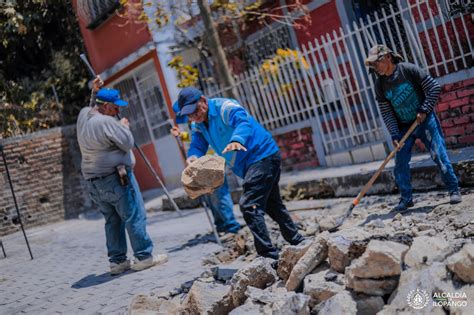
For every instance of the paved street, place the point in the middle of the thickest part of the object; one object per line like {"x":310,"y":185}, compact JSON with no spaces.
{"x":70,"y":273}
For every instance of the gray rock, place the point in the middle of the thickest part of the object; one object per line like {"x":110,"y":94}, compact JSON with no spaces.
{"x":207,"y":298}
{"x":341,"y":303}
{"x":468,"y":231}
{"x":380,"y":259}
{"x":345,"y":246}
{"x":259,"y":273}
{"x":327,"y":223}
{"x":425,"y":250}
{"x":428,"y":280}
{"x":311,"y":228}
{"x":424,"y":226}
{"x":289,"y":256}
{"x":397,"y":217}
{"x":378,"y":223}
{"x":175,"y":291}
{"x":430,"y":232}
{"x":142,"y":304}
{"x":462,"y":263}
{"x":223,"y":274}
{"x":203,"y":176}
{"x":368,"y":305}
{"x":249,"y":307}
{"x":319,"y":289}
{"x":276,"y":302}
{"x":379,"y":287}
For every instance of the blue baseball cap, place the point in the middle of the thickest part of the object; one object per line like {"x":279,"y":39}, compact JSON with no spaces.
{"x":187,"y":100}
{"x":106,"y":95}
{"x":179,"y":119}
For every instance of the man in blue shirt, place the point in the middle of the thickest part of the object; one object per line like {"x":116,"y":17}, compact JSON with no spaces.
{"x":252,"y":154}
{"x":220,"y":201}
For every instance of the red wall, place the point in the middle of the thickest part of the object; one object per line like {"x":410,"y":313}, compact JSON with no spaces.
{"x":297,"y":149}
{"x":112,"y":41}
{"x":324,"y":19}
{"x":456,"y":113}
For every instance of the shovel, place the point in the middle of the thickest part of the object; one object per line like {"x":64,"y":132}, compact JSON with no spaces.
{"x":369,"y":184}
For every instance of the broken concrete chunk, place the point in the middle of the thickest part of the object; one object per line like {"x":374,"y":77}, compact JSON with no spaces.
{"x":289,"y":256}
{"x":203,"y":176}
{"x":462,"y":263}
{"x":316,"y":253}
{"x":207,"y":298}
{"x":368,"y":305}
{"x":249,"y":307}
{"x":221,"y":273}
{"x":345,"y":246}
{"x":327,"y":223}
{"x":378,"y":287}
{"x":426,"y":281}
{"x":258,"y":273}
{"x":425,"y":250}
{"x":377,"y":223}
{"x":341,"y":303}
{"x":142,"y":304}
{"x":319,"y":289}
{"x":280,"y":301}
{"x":273,"y":302}
{"x":380,"y":259}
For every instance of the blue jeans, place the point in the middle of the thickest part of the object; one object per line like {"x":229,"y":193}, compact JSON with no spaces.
{"x":221,"y":205}
{"x":123,"y":209}
{"x":430,"y":133}
{"x":261,"y":194}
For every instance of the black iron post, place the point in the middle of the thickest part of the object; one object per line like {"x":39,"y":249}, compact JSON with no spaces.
{"x":14,"y":199}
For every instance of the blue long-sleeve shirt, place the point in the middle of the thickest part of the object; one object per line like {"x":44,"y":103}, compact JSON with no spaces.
{"x":229,"y":122}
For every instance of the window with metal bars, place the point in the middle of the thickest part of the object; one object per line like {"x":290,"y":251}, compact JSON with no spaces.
{"x":96,"y":11}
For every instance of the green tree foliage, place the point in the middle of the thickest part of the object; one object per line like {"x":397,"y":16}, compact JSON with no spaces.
{"x":40,"y":45}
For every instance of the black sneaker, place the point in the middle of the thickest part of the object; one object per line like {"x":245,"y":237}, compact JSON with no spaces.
{"x":273,"y":254}
{"x":403,"y":205}
{"x":455,"y":197}
{"x":298,"y":240}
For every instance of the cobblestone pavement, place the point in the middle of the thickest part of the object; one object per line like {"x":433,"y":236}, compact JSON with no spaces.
{"x":70,"y":271}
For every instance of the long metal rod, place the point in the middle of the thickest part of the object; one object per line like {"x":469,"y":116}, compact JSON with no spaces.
{"x":152,"y":170}
{"x":3,"y":249}
{"x":206,"y":209}
{"x":14,"y":200}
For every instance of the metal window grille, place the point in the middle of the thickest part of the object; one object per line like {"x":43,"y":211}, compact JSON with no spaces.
{"x":96,"y":11}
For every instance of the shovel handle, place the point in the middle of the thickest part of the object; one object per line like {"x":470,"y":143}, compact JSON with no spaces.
{"x":369,"y":184}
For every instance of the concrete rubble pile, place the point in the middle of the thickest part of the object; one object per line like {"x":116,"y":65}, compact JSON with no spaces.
{"x":384,"y":266}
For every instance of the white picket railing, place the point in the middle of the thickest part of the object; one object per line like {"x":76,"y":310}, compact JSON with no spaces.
{"x":336,"y":90}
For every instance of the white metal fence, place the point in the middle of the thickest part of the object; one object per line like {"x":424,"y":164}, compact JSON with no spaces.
{"x":336,"y":91}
